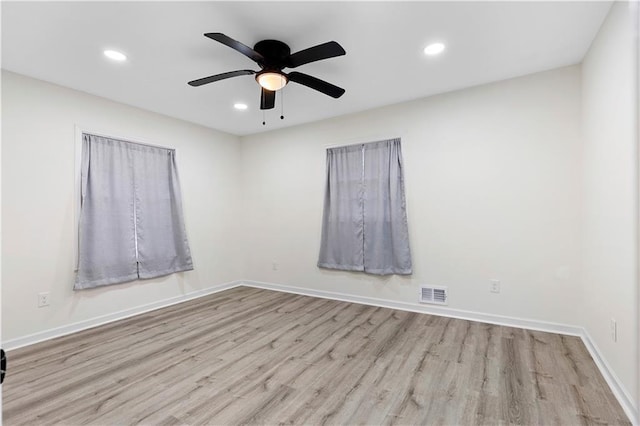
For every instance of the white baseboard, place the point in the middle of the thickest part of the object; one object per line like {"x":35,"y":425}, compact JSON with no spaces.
{"x":115,"y":316}
{"x":621,"y":394}
{"x":528,"y":324}
{"x":618,"y":389}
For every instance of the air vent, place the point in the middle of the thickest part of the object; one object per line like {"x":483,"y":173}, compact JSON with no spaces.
{"x":431,"y":294}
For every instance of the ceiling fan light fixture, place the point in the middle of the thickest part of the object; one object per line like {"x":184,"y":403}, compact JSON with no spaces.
{"x":271,"y":80}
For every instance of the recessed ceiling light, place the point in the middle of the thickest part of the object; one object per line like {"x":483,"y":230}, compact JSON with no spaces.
{"x":434,"y":49}
{"x":240,"y":106}
{"x":115,"y":55}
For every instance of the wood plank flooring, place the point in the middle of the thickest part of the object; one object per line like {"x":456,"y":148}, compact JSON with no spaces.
{"x":251,"y":356}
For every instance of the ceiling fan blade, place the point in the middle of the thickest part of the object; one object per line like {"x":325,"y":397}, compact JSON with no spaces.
{"x":326,"y":50}
{"x":212,"y":78}
{"x":236,"y":45}
{"x":316,"y":84}
{"x":267,"y":99}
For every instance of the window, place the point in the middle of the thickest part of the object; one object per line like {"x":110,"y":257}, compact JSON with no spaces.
{"x":131,"y":222}
{"x":364,"y":226}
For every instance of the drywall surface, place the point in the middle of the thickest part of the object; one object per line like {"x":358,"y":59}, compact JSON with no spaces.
{"x":492,"y":179}
{"x":610,"y":197}
{"x":38,"y":143}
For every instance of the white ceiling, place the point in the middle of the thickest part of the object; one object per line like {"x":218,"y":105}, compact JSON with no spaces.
{"x":62,"y":42}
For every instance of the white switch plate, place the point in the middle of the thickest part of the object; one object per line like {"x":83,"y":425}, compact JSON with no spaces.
{"x":494,"y":286}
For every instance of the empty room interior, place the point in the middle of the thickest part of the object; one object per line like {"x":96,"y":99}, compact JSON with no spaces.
{"x":300,"y":212}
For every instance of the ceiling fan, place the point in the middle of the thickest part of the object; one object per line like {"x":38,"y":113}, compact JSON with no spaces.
{"x":273,"y":56}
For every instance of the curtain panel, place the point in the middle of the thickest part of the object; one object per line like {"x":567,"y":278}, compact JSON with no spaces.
{"x":364,"y":225}
{"x":131,"y":220}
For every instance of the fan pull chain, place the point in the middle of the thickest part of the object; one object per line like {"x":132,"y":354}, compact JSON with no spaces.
{"x":282,"y":105}
{"x":264,"y":123}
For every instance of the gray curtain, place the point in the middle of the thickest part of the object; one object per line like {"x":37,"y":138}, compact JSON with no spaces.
{"x":343,"y":220}
{"x":131,"y":220}
{"x":364,"y":225}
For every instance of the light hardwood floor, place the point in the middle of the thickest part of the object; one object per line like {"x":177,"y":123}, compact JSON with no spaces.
{"x":251,"y":356}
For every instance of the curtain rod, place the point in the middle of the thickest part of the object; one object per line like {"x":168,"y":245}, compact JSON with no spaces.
{"x":127,"y":140}
{"x":363,"y":143}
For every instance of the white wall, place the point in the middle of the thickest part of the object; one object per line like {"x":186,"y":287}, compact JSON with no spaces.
{"x":610,"y":193}
{"x":492,"y":179}
{"x":38,"y":122}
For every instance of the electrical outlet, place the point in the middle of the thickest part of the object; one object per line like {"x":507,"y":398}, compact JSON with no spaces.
{"x":494,"y":286}
{"x":274,"y":266}
{"x":614,"y":330}
{"x":43,"y":300}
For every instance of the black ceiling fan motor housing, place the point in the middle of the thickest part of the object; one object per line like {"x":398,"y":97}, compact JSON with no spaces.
{"x":275,"y":54}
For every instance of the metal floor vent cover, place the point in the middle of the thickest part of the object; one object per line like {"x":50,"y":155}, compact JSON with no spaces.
{"x":436,"y":295}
